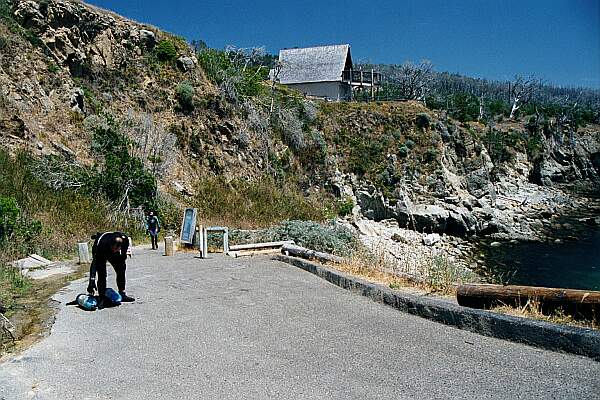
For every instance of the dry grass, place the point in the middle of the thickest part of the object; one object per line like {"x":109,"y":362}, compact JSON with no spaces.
{"x":433,"y":274}
{"x":256,"y":204}
{"x":533,"y":310}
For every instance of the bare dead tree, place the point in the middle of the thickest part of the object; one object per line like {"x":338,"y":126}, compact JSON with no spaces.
{"x":151,"y":143}
{"x":59,"y":173}
{"x":240,"y":59}
{"x":414,"y":80}
{"x":481,"y":107}
{"x":522,"y":91}
{"x":274,"y":76}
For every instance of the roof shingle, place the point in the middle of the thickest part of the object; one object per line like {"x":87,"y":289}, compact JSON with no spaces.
{"x":314,"y":64}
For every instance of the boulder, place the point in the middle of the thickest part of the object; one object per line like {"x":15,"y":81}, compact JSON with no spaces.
{"x":426,"y":217}
{"x":186,"y":63}
{"x":430,"y":240}
{"x":373,"y":205}
{"x":77,"y":101}
{"x":478,"y":183}
{"x":147,"y":39}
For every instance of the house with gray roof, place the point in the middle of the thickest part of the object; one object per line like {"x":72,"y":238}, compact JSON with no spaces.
{"x":323,"y":71}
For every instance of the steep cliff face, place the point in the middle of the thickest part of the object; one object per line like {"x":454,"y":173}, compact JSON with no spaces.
{"x":64,"y":63}
{"x":435,"y":175}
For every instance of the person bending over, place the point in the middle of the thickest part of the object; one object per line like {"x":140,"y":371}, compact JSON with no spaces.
{"x":111,"y":247}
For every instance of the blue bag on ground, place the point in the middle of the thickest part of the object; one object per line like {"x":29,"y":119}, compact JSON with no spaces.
{"x":113,"y":296}
{"x":87,"y":302}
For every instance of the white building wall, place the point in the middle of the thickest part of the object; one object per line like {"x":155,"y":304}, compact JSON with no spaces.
{"x":331,"y":90}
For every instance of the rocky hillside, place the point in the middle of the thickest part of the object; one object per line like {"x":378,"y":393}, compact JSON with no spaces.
{"x":66,"y":66}
{"x":63,"y":63}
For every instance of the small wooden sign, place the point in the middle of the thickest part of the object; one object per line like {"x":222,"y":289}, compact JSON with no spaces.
{"x":188,"y":226}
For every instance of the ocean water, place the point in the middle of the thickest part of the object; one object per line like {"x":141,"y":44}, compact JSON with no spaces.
{"x":571,"y":264}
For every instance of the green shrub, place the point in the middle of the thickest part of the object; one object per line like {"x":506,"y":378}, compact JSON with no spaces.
{"x":185,"y":96}
{"x":53,"y":68}
{"x":423,"y":120}
{"x":9,"y":214}
{"x":16,"y":227}
{"x":501,"y":145}
{"x":345,"y":206}
{"x":430,"y":155}
{"x":166,"y":51}
{"x":403,"y":151}
{"x":121,"y":177}
{"x":234,"y":76}
{"x":464,"y":107}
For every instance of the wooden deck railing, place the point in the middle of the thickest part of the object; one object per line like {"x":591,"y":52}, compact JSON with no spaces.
{"x":362,"y":77}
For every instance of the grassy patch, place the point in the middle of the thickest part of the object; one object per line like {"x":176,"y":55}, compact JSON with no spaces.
{"x":430,"y":274}
{"x":12,"y":286}
{"x":254,"y":204}
{"x":533,"y":310}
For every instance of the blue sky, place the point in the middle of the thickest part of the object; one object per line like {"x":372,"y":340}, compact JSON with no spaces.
{"x":557,"y":40}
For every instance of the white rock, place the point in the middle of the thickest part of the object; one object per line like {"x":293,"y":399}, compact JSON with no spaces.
{"x":431,"y":239}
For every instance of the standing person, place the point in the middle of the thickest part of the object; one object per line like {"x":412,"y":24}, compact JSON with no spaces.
{"x":111,"y":247}
{"x":153,"y":228}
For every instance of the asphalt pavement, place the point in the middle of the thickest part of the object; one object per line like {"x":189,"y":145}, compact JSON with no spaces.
{"x":255,"y":328}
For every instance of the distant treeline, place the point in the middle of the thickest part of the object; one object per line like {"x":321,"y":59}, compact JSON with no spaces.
{"x":469,"y":99}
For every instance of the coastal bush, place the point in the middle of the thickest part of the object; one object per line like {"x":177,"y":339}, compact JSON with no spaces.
{"x":165,"y":51}
{"x":423,"y":120}
{"x":237,"y":72}
{"x":42,"y":218}
{"x":185,"y":96}
{"x":120,"y":176}
{"x":330,"y":238}
{"x":345,"y":206}
{"x":16,"y":227}
{"x":403,"y":151}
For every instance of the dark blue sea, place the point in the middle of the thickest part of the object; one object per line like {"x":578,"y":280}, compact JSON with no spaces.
{"x":573,"y":264}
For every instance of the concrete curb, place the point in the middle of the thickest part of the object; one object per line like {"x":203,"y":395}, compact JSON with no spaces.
{"x":579,"y":341}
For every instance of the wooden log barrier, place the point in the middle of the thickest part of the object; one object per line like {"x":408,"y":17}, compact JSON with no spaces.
{"x":301,"y":252}
{"x":578,"y":303}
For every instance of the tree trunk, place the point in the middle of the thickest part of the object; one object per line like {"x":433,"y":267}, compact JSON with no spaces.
{"x":514,"y":108}
{"x":301,"y":252}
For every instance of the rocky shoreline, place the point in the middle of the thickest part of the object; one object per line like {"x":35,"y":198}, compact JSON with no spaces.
{"x":410,"y":236}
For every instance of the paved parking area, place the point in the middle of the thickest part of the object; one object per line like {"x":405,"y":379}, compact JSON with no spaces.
{"x":259,"y":329}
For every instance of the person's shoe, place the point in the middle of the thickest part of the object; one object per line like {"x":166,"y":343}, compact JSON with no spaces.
{"x":125,"y":298}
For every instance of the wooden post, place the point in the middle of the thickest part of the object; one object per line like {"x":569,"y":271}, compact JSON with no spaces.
{"x":226,"y":241}
{"x":204,"y":243}
{"x":84,"y":253}
{"x":169,"y":246}
{"x":372,"y":85}
{"x":351,"y":91}
{"x":201,"y":240}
